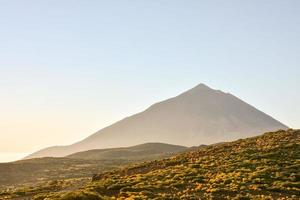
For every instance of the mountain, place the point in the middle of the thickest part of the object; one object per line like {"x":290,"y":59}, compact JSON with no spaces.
{"x":262,"y":167}
{"x":199,"y":116}
{"x":82,"y":164}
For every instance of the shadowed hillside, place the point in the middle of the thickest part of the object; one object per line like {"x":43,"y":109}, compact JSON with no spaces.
{"x":263,"y":167}
{"x":138,"y":152}
{"x":83,"y":164}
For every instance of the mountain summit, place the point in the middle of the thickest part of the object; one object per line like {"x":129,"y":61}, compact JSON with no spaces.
{"x":200,"y":115}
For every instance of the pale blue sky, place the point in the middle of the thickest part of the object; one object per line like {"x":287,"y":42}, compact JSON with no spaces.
{"x":69,"y":68}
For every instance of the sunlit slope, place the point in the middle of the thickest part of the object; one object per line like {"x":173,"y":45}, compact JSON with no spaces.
{"x":263,"y":167}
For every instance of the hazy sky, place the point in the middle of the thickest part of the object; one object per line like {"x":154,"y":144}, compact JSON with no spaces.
{"x":69,"y":68}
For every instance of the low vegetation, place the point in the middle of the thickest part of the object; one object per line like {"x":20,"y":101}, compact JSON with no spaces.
{"x":263,"y":167}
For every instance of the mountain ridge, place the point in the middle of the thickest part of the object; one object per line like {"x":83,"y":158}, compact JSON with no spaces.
{"x":200,"y":115}
{"x":141,"y":151}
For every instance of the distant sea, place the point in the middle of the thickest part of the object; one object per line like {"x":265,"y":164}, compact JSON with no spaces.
{"x":8,"y":157}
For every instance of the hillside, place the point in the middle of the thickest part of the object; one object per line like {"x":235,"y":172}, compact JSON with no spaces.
{"x":138,"y":152}
{"x":263,"y":167}
{"x":199,"y":116}
{"x":82,"y":164}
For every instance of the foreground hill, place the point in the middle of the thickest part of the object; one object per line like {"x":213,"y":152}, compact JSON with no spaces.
{"x":82,"y":164}
{"x":263,"y":167}
{"x":199,"y":116}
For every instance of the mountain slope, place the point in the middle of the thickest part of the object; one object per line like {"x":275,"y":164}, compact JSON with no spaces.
{"x":199,"y":116}
{"x":263,"y":167}
{"x":82,"y":164}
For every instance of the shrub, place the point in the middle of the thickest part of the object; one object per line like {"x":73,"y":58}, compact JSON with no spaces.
{"x":81,"y":195}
